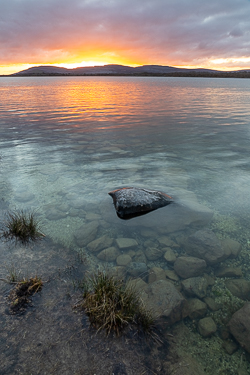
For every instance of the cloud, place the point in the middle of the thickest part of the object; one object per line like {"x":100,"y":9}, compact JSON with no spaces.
{"x":168,"y":32}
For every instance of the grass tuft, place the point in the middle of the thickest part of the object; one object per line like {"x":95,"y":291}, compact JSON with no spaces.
{"x":21,"y":226}
{"x":112,"y":305}
{"x":13,"y":274}
{"x":20,"y":295}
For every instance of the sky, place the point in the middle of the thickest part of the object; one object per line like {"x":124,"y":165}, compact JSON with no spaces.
{"x":211,"y":34}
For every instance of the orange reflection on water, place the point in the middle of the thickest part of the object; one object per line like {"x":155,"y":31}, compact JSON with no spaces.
{"x":101,"y":103}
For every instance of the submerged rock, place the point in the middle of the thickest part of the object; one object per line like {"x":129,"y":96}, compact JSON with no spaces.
{"x":164,"y":300}
{"x":195,"y":287}
{"x":207,"y":327}
{"x":187,"y":267}
{"x":239,"y":288}
{"x":239,"y":326}
{"x":86,"y":233}
{"x":194,"y":308}
{"x":204,"y":244}
{"x":130,"y":202}
{"x":126,"y":243}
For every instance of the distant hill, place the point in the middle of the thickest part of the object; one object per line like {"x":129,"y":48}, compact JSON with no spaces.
{"x":121,"y":70}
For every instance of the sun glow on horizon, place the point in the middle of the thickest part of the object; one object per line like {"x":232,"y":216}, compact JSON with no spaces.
{"x":221,"y":64}
{"x":82,"y":64}
{"x":15,"y":68}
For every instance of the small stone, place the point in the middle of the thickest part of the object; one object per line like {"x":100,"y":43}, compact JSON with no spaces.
{"x":131,"y":253}
{"x":212,"y":305}
{"x":109,"y":255}
{"x":91,"y":216}
{"x":137,"y":269}
{"x":172,"y":275}
{"x":126,"y":243}
{"x":156,"y":273}
{"x":194,"y":308}
{"x":123,"y":260}
{"x":230,"y":346}
{"x":239,"y":326}
{"x":207,"y":327}
{"x":228,"y":272}
{"x":195,"y":287}
{"x":118,"y":272}
{"x":204,"y":244}
{"x":239,"y":288}
{"x":24,"y":196}
{"x":233,"y":247}
{"x":224,"y":333}
{"x":210,"y":279}
{"x":55,"y":214}
{"x":137,"y":284}
{"x":166,"y":241}
{"x":165,"y":300}
{"x":100,"y":244}
{"x":140,"y":257}
{"x":169,"y":255}
{"x":73,"y":212}
{"x":86,"y":233}
{"x":153,"y":253}
{"x":150,"y":243}
{"x":187,"y":267}
{"x":147,"y":233}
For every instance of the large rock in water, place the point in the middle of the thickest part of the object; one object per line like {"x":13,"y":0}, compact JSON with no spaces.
{"x":130,"y":202}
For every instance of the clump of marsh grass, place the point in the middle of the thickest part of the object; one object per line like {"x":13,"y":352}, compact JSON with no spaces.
{"x":13,"y":274}
{"x":21,"y":226}
{"x":112,"y":305}
{"x":24,"y":289}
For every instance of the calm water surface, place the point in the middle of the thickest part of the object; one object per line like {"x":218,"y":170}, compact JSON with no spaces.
{"x":67,"y":141}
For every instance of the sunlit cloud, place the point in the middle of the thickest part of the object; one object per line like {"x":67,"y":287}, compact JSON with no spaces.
{"x":236,"y":60}
{"x":95,"y":32}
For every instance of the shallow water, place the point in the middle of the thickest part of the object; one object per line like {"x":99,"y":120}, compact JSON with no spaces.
{"x":67,"y":141}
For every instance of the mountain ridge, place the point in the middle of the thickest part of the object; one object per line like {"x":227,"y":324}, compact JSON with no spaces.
{"x":120,"y":70}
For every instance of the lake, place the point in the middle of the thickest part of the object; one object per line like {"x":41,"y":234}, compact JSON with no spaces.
{"x":66,"y":142}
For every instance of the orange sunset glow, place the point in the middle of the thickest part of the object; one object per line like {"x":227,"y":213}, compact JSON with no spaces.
{"x":154,"y":32}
